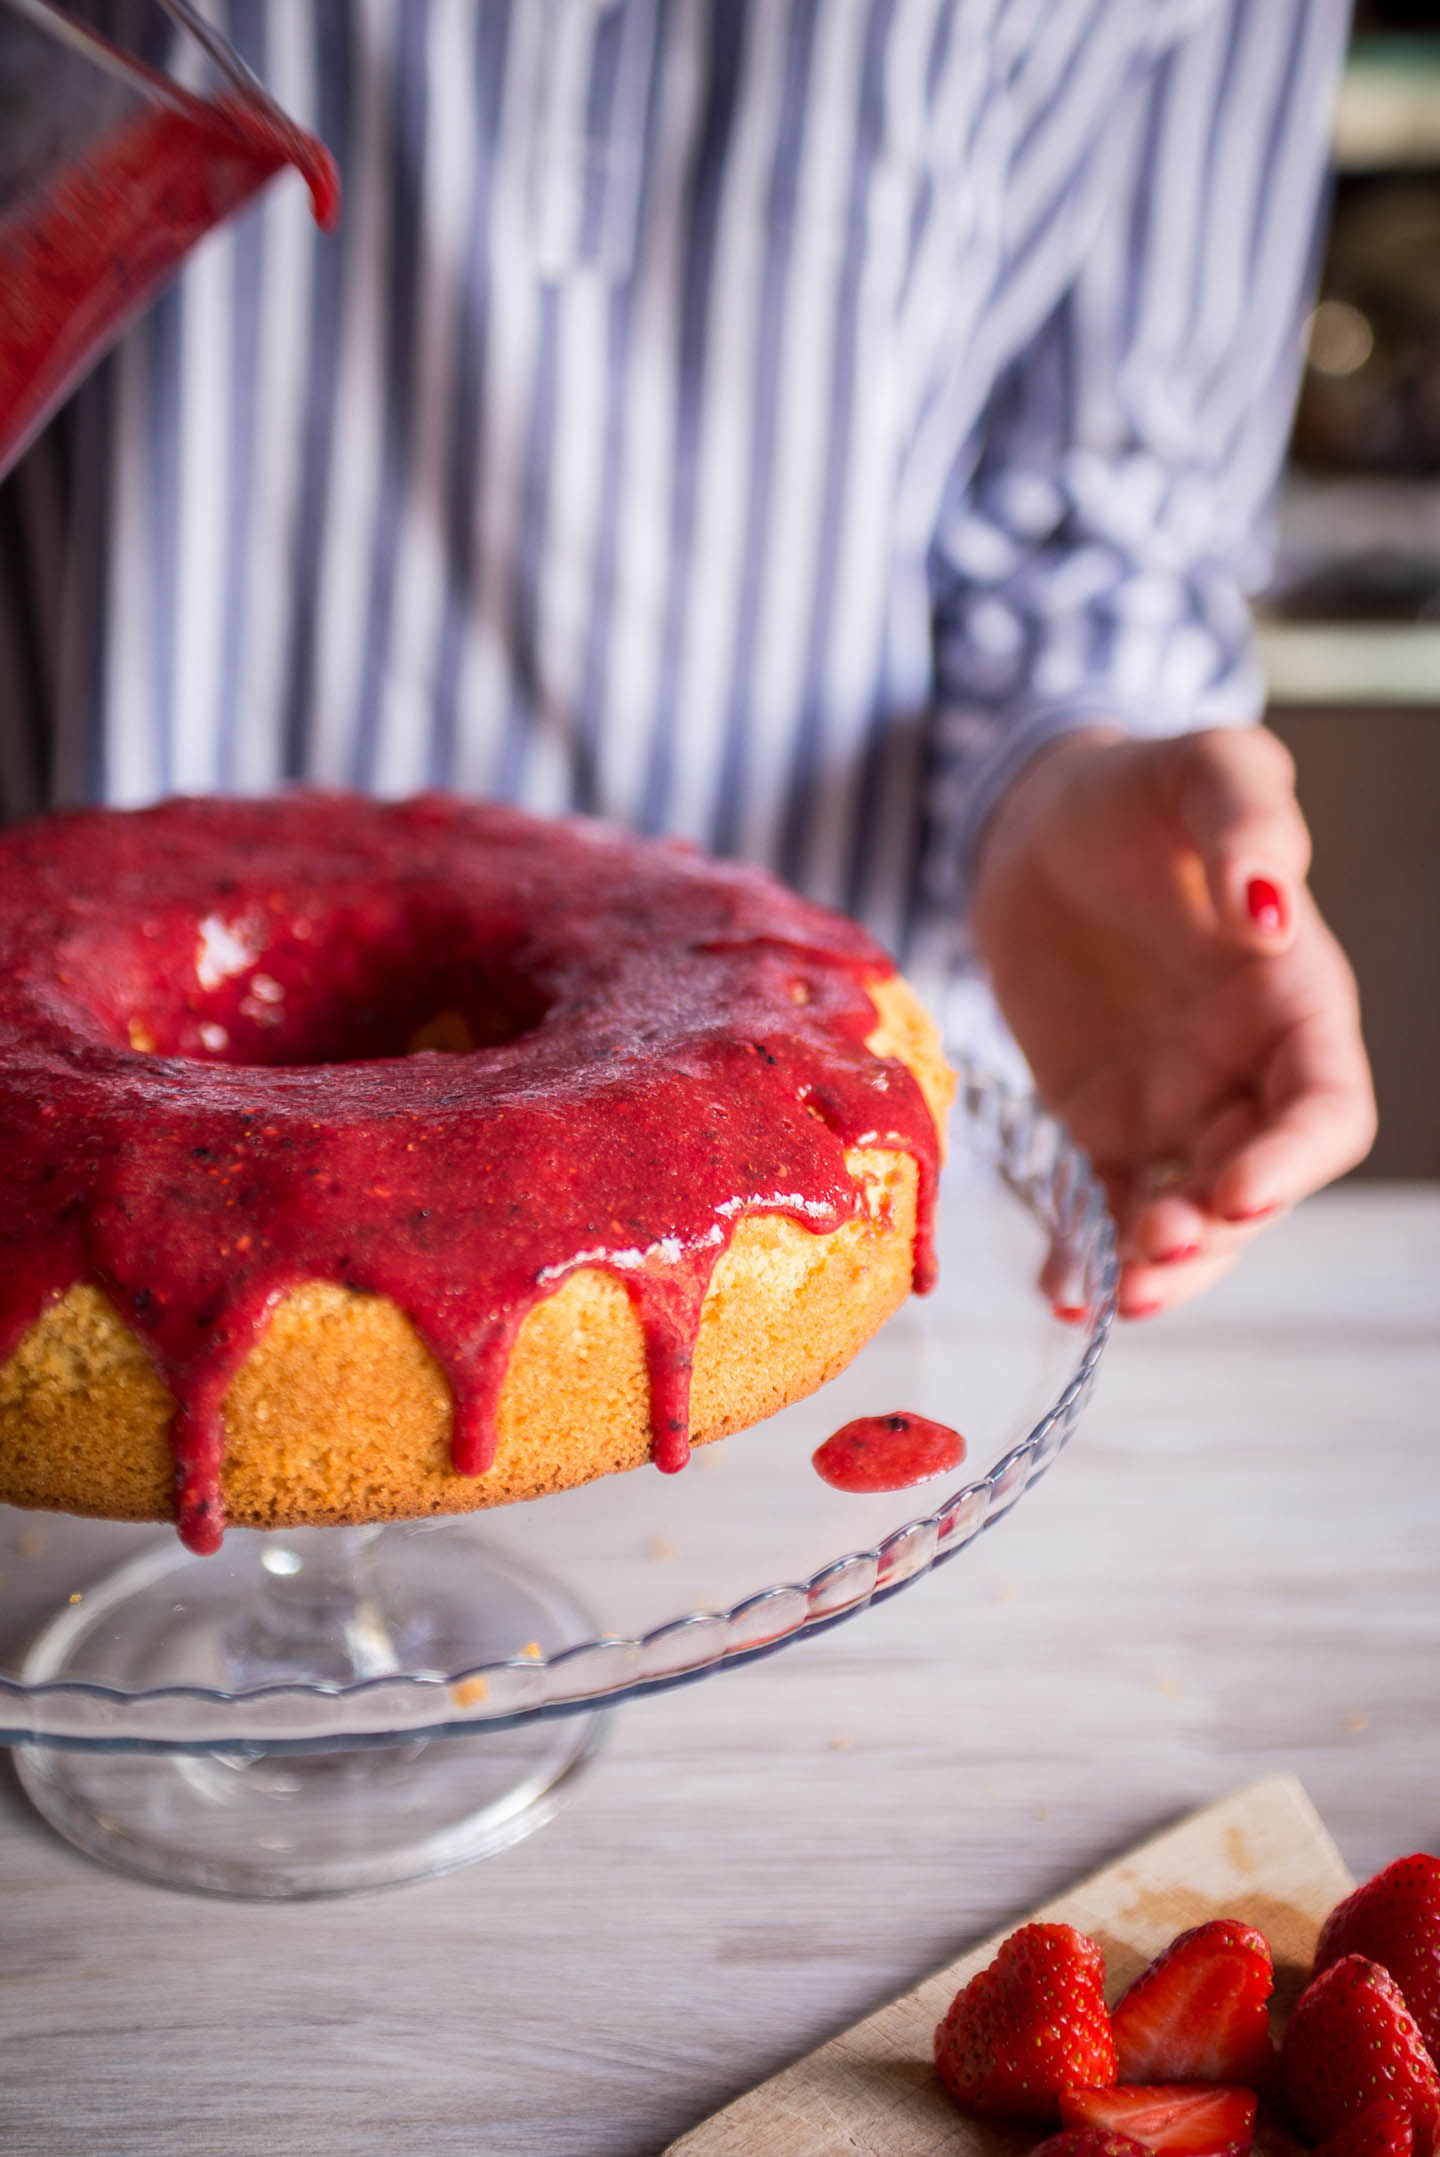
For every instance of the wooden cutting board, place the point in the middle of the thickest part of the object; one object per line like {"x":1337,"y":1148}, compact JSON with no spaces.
{"x":1261,"y":1855}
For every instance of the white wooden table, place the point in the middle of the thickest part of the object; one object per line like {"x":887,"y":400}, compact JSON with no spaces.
{"x":1233,"y":1570}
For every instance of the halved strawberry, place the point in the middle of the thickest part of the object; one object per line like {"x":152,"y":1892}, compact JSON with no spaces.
{"x":1174,"y":2119}
{"x":1198,"y":2013}
{"x":1394,"y":1920}
{"x":1032,"y":2024}
{"x":1088,"y":2142}
{"x":1352,"y":2040}
{"x":1384,"y":2129}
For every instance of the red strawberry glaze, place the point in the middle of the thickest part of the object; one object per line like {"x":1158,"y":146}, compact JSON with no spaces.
{"x":878,"y":1453}
{"x":206,"y":1096}
{"x":78,"y":260}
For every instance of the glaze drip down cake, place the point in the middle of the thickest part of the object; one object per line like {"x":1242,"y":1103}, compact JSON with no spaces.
{"x":366,"y":1161}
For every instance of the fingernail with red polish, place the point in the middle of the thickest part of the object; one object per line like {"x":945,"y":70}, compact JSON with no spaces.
{"x":1251,"y":1213}
{"x":1177,"y":1257}
{"x":1267,"y":908}
{"x":1069,"y":1314}
{"x":1139,"y":1310}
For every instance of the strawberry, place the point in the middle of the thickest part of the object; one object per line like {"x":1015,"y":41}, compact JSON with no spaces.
{"x":1174,"y":2119}
{"x":1352,"y":2040}
{"x":1032,"y":2024}
{"x":1088,"y":2142}
{"x":1384,"y":2129}
{"x":1394,"y":1919}
{"x":1198,"y":2013}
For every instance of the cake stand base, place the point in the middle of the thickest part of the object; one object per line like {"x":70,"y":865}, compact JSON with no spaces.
{"x":335,"y":1605}
{"x":284,"y":1827}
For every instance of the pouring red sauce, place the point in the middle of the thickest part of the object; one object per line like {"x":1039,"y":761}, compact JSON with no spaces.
{"x":77,"y":261}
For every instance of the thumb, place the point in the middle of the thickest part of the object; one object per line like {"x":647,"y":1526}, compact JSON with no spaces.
{"x":1235,"y":800}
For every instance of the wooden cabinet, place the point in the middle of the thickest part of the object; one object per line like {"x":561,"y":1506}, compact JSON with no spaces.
{"x":1369,"y":778}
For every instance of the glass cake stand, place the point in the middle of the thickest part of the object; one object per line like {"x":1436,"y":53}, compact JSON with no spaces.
{"x":328,"y":1709}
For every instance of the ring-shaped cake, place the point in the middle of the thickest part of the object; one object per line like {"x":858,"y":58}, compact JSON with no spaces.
{"x":365,"y":1161}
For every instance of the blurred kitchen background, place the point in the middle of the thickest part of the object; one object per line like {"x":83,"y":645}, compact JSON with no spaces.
{"x":1351,"y":626}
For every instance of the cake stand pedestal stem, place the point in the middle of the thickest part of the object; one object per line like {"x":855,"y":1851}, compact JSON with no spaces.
{"x":320,"y":1611}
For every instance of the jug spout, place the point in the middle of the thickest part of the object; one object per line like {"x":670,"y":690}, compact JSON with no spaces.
{"x":144,"y":170}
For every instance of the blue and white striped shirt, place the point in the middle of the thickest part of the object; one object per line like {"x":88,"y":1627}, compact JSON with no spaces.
{"x":764,"y":420}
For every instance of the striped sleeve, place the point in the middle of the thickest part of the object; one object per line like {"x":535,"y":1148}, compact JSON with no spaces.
{"x":1111,"y":514}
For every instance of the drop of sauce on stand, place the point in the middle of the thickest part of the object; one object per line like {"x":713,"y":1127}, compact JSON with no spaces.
{"x":878,"y":1453}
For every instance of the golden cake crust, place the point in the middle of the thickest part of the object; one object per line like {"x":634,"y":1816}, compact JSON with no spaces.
{"x":341,"y":1414}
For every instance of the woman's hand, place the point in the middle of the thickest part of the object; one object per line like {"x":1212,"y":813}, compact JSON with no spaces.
{"x":1142,"y":908}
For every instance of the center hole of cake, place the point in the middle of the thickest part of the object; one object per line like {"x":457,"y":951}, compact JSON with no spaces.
{"x":359,"y":989}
